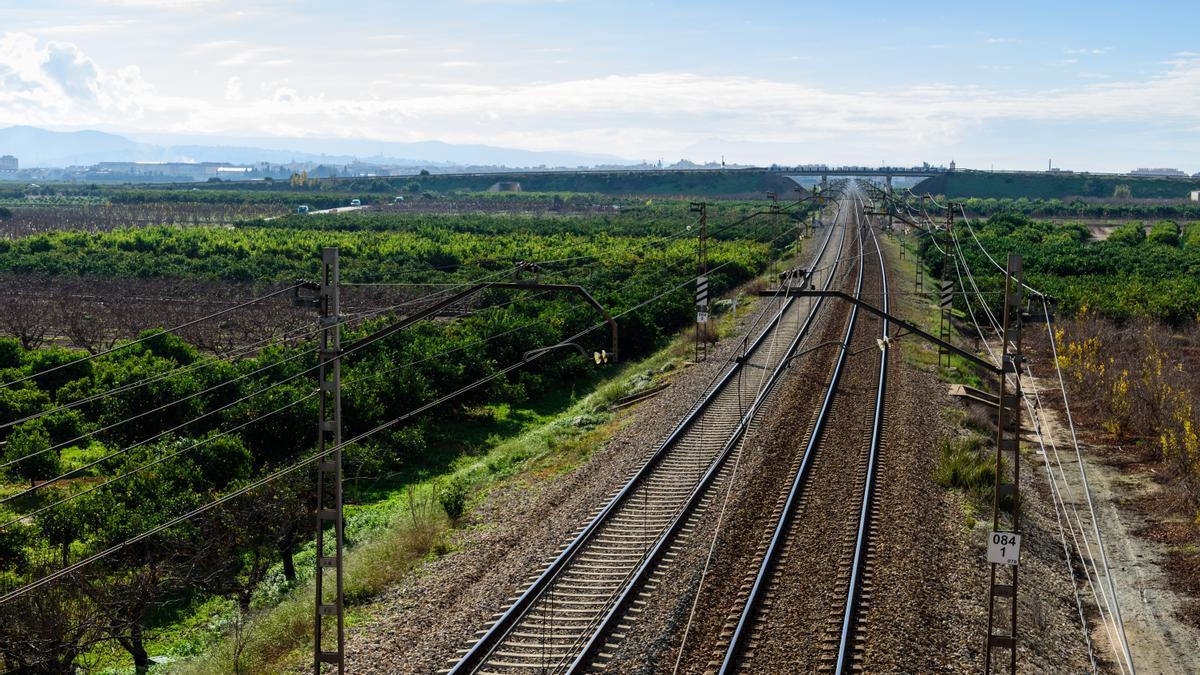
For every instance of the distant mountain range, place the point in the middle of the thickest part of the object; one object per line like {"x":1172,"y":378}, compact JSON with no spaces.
{"x":36,"y":147}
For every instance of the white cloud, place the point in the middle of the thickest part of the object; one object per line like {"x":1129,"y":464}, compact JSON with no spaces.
{"x":252,"y":56}
{"x":233,"y":89}
{"x":109,"y":26}
{"x":214,"y":44}
{"x":57,"y":80}
{"x":161,"y":4}
{"x":642,"y":115}
{"x":1089,"y":51}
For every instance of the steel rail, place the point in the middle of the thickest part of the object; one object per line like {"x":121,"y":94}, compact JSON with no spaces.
{"x":482,"y":649}
{"x":853,"y":593}
{"x":782,"y":527}
{"x":651,"y":560}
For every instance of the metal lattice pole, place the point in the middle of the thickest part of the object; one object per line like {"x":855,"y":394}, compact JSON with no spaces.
{"x":329,"y":607}
{"x":946,"y":296}
{"x":1004,"y":546}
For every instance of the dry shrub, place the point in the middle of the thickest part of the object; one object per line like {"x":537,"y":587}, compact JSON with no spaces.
{"x":1137,"y":381}
{"x":708,"y":332}
{"x":755,"y":285}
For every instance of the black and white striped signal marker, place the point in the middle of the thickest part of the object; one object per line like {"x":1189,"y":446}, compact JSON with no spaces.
{"x":701,"y":291}
{"x":947,"y":295}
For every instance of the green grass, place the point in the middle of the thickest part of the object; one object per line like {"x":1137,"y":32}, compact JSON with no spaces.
{"x":915,"y":304}
{"x":666,"y":182}
{"x":965,"y":465}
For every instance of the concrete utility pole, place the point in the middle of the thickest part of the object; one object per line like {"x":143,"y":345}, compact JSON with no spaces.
{"x":702,"y":282}
{"x":329,"y":606}
{"x":1004,"y":546}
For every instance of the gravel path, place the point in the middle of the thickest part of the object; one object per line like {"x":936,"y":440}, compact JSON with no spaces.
{"x":1151,"y":609}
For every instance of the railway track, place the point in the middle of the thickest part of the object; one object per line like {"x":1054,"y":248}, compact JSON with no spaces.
{"x":571,"y":611}
{"x":761,"y":632}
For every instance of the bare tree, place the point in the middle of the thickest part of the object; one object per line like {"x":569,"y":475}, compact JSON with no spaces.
{"x":47,"y":630}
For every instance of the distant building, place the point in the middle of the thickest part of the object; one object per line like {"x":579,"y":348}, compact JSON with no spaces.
{"x":1196,"y":195}
{"x":8,"y":163}
{"x":195,"y":171}
{"x":951,"y":168}
{"x":1158,"y":172}
{"x":505,"y":186}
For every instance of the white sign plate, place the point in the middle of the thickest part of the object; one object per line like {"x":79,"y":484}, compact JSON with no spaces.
{"x":1004,"y":548}
{"x":701,"y":317}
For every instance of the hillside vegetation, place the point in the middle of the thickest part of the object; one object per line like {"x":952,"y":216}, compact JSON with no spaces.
{"x":985,"y":184}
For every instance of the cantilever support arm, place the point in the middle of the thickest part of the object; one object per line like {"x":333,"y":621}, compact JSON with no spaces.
{"x":417,"y":316}
{"x":572,"y":288}
{"x":472,"y":290}
{"x":982,"y":363}
{"x":906,"y":220}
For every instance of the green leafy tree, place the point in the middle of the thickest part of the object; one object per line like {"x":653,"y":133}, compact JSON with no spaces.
{"x":28,"y":443}
{"x":54,"y":367}
{"x":61,"y":526}
{"x":1130,"y":233}
{"x":1164,"y":232}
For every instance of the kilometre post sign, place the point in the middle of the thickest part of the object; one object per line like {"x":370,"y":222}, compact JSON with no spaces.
{"x":1004,"y":548}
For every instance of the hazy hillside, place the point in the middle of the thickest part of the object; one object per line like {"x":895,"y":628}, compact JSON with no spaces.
{"x":56,"y":149}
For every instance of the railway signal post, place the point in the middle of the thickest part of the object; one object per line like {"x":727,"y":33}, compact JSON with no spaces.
{"x":1004,"y":545}
{"x":702,"y":282}
{"x":329,"y":631}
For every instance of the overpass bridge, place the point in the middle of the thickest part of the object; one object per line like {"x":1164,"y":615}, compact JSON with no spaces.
{"x":886,"y":173}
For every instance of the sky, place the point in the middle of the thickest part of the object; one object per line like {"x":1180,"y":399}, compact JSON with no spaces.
{"x":1100,"y":86}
